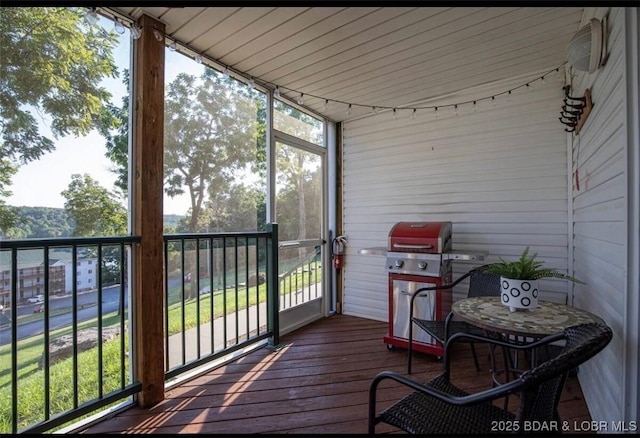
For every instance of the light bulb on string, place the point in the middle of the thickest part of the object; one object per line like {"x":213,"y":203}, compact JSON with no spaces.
{"x":413,"y":114}
{"x":158,"y":34}
{"x":374,"y":109}
{"x":276,"y":92}
{"x":509,"y":96}
{"x":435,"y":112}
{"x":225,"y":73}
{"x":118,"y":26}
{"x":326,"y":104}
{"x":475,"y":107}
{"x":529,"y":87}
{"x":135,"y":30}
{"x":91,"y":16}
{"x":543,"y":81}
{"x":455,"y":109}
{"x":559,"y":74}
{"x":493,"y":101}
{"x":349,"y":109}
{"x":300,"y":99}
{"x":198,"y":59}
{"x":395,"y":114}
{"x":173,"y":46}
{"x":251,"y":84}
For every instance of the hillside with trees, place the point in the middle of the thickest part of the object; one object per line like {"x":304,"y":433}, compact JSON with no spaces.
{"x":47,"y":223}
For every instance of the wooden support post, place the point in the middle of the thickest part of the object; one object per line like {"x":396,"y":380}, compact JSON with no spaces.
{"x":148,"y":287}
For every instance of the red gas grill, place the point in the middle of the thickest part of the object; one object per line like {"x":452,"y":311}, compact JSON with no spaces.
{"x":419,"y":255}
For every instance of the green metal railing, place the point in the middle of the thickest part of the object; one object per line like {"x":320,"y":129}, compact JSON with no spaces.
{"x":221,"y":296}
{"x":48,"y":375}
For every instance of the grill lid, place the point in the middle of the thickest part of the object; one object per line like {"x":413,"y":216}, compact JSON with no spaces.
{"x":420,"y":237}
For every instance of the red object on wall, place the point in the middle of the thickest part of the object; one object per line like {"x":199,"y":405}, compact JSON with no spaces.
{"x":338,"y":260}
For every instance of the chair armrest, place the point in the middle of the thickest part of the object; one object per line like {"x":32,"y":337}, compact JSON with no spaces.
{"x":442,"y":286}
{"x":540,"y":342}
{"x":461,"y":337}
{"x":478,"y":397}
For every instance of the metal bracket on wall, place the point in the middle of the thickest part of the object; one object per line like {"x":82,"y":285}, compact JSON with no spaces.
{"x":575,"y":110}
{"x":588,"y":104}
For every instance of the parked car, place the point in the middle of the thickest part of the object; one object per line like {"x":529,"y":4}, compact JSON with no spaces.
{"x":36,"y":299}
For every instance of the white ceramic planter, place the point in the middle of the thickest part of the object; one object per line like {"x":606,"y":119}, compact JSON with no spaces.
{"x":519,"y":294}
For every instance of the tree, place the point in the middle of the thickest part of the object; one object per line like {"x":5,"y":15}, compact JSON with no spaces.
{"x":52,"y":64}
{"x":210,"y":133}
{"x":95,"y":210}
{"x":239,"y":208}
{"x":8,"y":216}
{"x":115,"y":128}
{"x":293,"y":172}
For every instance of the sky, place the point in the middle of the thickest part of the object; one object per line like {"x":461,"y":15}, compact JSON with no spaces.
{"x":40,"y":183}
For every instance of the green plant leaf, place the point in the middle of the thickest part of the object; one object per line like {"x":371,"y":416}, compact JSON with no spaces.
{"x":526,"y":267}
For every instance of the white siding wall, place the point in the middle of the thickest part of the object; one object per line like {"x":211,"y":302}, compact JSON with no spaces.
{"x":601,"y":241}
{"x":501,"y":176}
{"x":498,"y":174}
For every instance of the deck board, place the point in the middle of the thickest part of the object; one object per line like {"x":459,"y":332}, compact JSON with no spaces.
{"x":317,"y":382}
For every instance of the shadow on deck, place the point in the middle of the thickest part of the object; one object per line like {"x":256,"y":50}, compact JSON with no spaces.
{"x":317,"y":382}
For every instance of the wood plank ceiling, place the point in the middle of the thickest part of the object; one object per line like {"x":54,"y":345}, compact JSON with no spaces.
{"x":372,"y":56}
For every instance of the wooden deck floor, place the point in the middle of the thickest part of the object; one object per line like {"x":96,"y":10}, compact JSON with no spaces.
{"x":317,"y":383}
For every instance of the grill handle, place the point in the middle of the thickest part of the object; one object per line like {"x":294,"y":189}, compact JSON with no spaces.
{"x":409,"y":246}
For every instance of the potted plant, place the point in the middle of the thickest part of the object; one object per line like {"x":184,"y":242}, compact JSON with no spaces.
{"x":519,"y":280}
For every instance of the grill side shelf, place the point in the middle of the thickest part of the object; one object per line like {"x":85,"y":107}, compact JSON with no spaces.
{"x":380,"y":250}
{"x":467,"y":255}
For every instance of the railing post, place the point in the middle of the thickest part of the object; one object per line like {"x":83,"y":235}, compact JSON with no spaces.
{"x":273,"y":283}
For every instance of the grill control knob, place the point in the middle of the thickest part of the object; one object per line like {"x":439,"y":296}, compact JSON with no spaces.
{"x":399,"y":263}
{"x":422,"y":265}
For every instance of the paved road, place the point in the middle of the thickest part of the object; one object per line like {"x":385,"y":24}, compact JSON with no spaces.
{"x":87,"y":309}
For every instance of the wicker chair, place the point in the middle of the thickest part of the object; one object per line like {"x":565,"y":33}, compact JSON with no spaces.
{"x":439,"y":407}
{"x":480,"y":284}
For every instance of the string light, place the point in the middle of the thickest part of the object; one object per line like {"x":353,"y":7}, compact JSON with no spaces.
{"x":91,"y":16}
{"x":118,"y":26}
{"x":136,"y":32}
{"x":159,"y":36}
